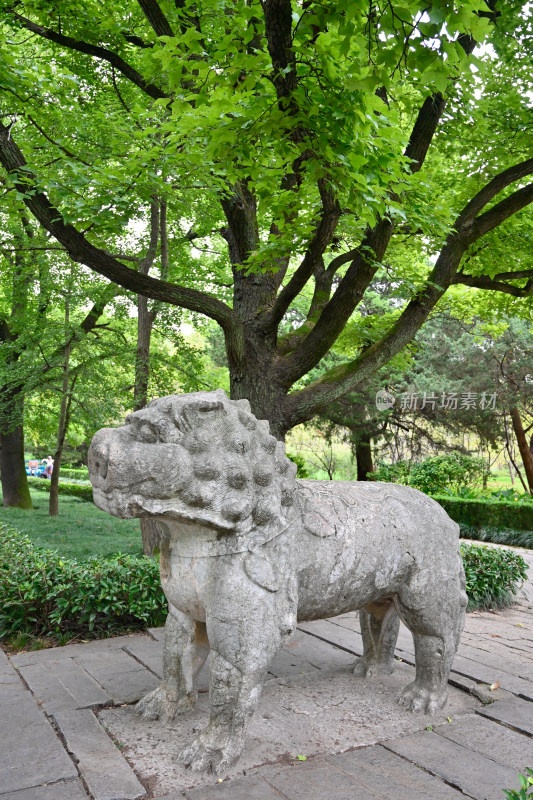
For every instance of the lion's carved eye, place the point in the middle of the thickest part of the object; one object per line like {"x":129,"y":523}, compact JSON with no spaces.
{"x":142,"y":430}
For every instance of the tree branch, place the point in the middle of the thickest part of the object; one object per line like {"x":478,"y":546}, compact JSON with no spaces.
{"x":501,"y":211}
{"x":491,"y":284}
{"x":82,"y":251}
{"x":96,"y":51}
{"x":490,"y":190}
{"x":155,"y":17}
{"x":300,"y":406}
{"x":325,"y":229}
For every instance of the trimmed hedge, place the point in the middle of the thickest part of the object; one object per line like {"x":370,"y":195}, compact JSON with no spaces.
{"x":84,"y":492}
{"x":77,"y":474}
{"x":45,"y":594}
{"x":482,"y":513}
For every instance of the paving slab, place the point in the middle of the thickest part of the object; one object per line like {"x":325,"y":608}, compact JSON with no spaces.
{"x":288,"y":662}
{"x":120,"y":675}
{"x":66,"y":790}
{"x":8,"y":675}
{"x":338,"y":635}
{"x":515,"y":713}
{"x":495,"y":741}
{"x":391,"y":777}
{"x":320,"y":712}
{"x":103,"y":768}
{"x":320,"y":781}
{"x":30,"y":750}
{"x":253,"y":788}
{"x":75,"y":650}
{"x":474,"y":774}
{"x":320,"y":654}
{"x":62,"y":685}
{"x":148,"y":652}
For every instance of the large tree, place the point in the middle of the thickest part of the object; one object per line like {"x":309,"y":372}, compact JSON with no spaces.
{"x":299,"y":141}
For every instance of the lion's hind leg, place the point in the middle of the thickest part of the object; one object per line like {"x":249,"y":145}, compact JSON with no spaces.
{"x":185,"y":651}
{"x":434,"y":617}
{"x":379,"y":630}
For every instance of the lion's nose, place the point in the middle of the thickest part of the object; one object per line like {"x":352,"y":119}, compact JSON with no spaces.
{"x":98,"y":459}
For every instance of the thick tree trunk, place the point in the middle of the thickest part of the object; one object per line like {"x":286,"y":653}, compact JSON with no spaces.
{"x":363,"y":457}
{"x":15,"y":490}
{"x":525,"y":452}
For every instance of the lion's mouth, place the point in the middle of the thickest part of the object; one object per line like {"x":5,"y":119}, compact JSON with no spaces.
{"x":117,"y":504}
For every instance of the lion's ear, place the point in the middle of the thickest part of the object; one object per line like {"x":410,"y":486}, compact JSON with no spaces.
{"x":198,"y":411}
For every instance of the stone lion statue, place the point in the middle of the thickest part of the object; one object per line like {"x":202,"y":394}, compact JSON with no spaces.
{"x":247,"y":551}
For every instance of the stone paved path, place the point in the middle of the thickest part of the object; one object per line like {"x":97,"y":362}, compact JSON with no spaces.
{"x":54,"y":705}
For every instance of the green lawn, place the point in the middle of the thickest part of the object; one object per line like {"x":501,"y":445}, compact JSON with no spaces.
{"x":80,"y":530}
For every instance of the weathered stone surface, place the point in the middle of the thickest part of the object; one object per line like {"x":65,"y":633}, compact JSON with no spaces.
{"x":30,"y":751}
{"x":8,"y":675}
{"x":320,"y":712}
{"x":390,"y":777}
{"x":120,"y":675}
{"x":149,"y":653}
{"x":253,"y":788}
{"x":516,"y":713}
{"x":246,"y":550}
{"x":317,"y":780}
{"x":106,"y":772}
{"x":338,"y":635}
{"x":65,"y":790}
{"x":62,"y":685}
{"x":495,"y":741}
{"x":486,"y":674}
{"x":486,"y":694}
{"x":479,"y":777}
{"x":75,"y":650}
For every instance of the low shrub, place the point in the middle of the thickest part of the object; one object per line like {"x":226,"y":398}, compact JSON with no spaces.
{"x":46,"y":595}
{"x":76,"y":474}
{"x":498,"y":536}
{"x":452,"y":471}
{"x":83,"y":491}
{"x":510,"y":495}
{"x":485,"y":513}
{"x":392,"y":473}
{"x":493,"y":575}
{"x":299,"y":460}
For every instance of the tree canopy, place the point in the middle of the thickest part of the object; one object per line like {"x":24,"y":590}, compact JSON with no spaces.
{"x":301,"y":150}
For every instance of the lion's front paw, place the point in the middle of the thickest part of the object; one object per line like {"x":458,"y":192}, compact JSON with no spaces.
{"x":366,"y":668}
{"x":418,"y":698}
{"x":159,"y":704}
{"x":205,"y":753}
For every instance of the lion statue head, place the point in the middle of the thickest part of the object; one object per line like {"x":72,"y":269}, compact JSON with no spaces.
{"x":197,"y":457}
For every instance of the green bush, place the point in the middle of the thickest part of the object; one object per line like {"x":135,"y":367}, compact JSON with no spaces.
{"x":299,"y":460}
{"x":45,"y":594}
{"x":454,"y":472}
{"x":84,"y":492}
{"x":483,"y":513}
{"x":493,"y":575}
{"x":450,"y":471}
{"x":392,"y":473}
{"x":76,"y":474}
